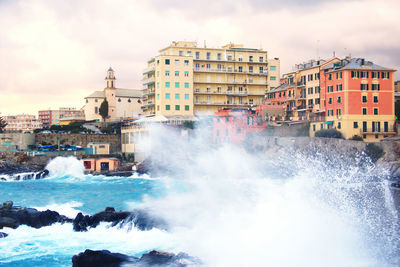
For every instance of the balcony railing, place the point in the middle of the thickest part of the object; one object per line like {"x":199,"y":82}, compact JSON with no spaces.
{"x":148,"y":80}
{"x":231,"y":60}
{"x":264,"y":73}
{"x":245,"y":82}
{"x":148,"y":70}
{"x":380,"y":130}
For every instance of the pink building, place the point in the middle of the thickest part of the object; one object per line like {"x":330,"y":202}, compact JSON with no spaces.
{"x":232,"y":125}
{"x":22,"y":122}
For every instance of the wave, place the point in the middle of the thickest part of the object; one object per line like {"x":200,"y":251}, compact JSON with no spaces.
{"x":67,"y":209}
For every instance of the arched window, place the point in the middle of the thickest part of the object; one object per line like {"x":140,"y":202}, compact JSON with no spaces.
{"x":119,"y":99}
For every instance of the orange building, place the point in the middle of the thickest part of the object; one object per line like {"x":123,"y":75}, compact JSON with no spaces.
{"x":101,"y":164}
{"x":358,"y":99}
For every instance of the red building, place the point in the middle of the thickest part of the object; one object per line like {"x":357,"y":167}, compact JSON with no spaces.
{"x":358,"y":99}
{"x":232,"y":125}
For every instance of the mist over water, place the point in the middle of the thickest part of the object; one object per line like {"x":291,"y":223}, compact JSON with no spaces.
{"x":243,"y":208}
{"x":223,"y":204}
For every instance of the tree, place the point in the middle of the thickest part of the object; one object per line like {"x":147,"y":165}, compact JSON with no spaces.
{"x":3,"y":124}
{"x":329,"y":133}
{"x":103,"y":110}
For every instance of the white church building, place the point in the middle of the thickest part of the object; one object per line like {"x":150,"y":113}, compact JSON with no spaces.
{"x":122,"y":103}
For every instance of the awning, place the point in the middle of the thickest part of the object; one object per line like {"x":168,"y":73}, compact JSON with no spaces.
{"x":329,"y":122}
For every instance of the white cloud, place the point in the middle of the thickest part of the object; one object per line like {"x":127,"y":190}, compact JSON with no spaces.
{"x":58,"y":51}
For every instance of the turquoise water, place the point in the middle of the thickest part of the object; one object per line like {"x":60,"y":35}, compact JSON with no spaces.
{"x":221,"y":206}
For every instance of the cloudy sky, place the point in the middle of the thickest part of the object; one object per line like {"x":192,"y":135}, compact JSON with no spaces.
{"x":55,"y":52}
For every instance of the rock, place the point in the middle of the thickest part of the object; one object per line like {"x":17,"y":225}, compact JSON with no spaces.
{"x":140,"y":219}
{"x":13,"y":217}
{"x":8,"y":205}
{"x":104,"y":258}
{"x":3,"y":235}
{"x":101,"y":258}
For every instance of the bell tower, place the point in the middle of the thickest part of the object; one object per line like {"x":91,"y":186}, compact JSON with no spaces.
{"x":110,"y":78}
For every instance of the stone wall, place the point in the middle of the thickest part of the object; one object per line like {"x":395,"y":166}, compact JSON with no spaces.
{"x":16,"y":141}
{"x":80,"y":140}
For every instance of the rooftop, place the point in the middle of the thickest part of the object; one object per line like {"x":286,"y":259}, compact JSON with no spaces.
{"x":355,"y":64}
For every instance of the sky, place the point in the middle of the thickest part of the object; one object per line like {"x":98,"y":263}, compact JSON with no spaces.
{"x":53,"y":53}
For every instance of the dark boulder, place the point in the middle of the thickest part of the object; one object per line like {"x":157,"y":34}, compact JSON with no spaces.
{"x":13,"y":217}
{"x":101,"y":258}
{"x":140,"y":219}
{"x":105,"y":258}
{"x":3,"y":235}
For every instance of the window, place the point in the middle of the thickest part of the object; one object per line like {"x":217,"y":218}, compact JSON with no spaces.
{"x":251,"y":58}
{"x":177,"y":107}
{"x":95,"y":100}
{"x":317,"y":89}
{"x":167,"y":73}
{"x":364,"y":99}
{"x":364,"y":111}
{"x":338,"y":75}
{"x":167,"y":84}
{"x":385,"y":75}
{"x":261,"y":69}
{"x":364,"y":87}
{"x":186,"y":96}
{"x":375,"y":99}
{"x":330,"y":89}
{"x":240,"y":69}
{"x":364,"y":74}
{"x":96,"y":110}
{"x":208,"y":55}
{"x":186,"y":85}
{"x":176,"y":84}
{"x":197,"y":55}
{"x":272,"y":68}
{"x":330,"y":76}
{"x":339,"y":125}
{"x":186,"y":74}
{"x":208,"y":66}
{"x":167,"y":107}
{"x":330,"y":100}
{"x":177,"y":96}
{"x":386,"y":126}
{"x":226,"y":119}
{"x":176,"y":73}
{"x":167,"y":62}
{"x":208,"y":90}
{"x":313,"y":127}
{"x":119,"y":99}
{"x":364,"y":126}
{"x":250,"y":69}
{"x":355,"y":74}
{"x":181,"y":53}
{"x":375,"y":111}
{"x":158,"y":96}
{"x":219,"y":56}
{"x":375,"y":87}
{"x":167,"y":95}
{"x":261,"y":59}
{"x":186,"y":62}
{"x":338,"y":112}
{"x":158,"y":85}
{"x":273,"y":78}
{"x":374,"y":74}
{"x":186,"y":107}
{"x":355,"y":125}
{"x":339,"y":99}
{"x":339,"y":87}
{"x":176,"y":62}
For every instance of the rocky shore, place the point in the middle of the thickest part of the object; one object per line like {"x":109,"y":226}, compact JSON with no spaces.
{"x":105,"y":258}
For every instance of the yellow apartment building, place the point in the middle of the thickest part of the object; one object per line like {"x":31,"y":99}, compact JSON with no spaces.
{"x":186,"y":80}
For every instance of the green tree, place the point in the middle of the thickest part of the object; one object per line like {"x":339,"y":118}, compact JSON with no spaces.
{"x":103,"y":110}
{"x":329,"y":133}
{"x":3,"y":124}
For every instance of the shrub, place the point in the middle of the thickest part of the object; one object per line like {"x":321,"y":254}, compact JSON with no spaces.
{"x":373,"y":151}
{"x":356,"y":138}
{"x":329,"y":133}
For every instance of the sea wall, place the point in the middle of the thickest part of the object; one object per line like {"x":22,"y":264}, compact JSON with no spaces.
{"x":16,"y":141}
{"x":80,"y":140}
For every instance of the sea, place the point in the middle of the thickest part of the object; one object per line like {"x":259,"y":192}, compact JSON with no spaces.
{"x":224,"y":205}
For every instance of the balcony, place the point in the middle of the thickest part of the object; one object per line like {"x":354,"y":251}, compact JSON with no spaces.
{"x":390,"y":131}
{"x":148,"y":80}
{"x":214,"y":59}
{"x":264,"y":73}
{"x":149,"y":93}
{"x":148,"y":70}
{"x":245,"y":82}
{"x":206,"y":103}
{"x":149,"y":105}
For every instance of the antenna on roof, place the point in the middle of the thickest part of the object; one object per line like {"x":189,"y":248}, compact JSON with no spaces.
{"x":334,"y":54}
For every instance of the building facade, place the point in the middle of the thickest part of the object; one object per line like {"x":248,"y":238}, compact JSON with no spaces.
{"x":22,"y":122}
{"x":186,"y":80}
{"x":53,"y":117}
{"x":122,"y":103}
{"x":233,"y":125}
{"x":358,"y":97}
